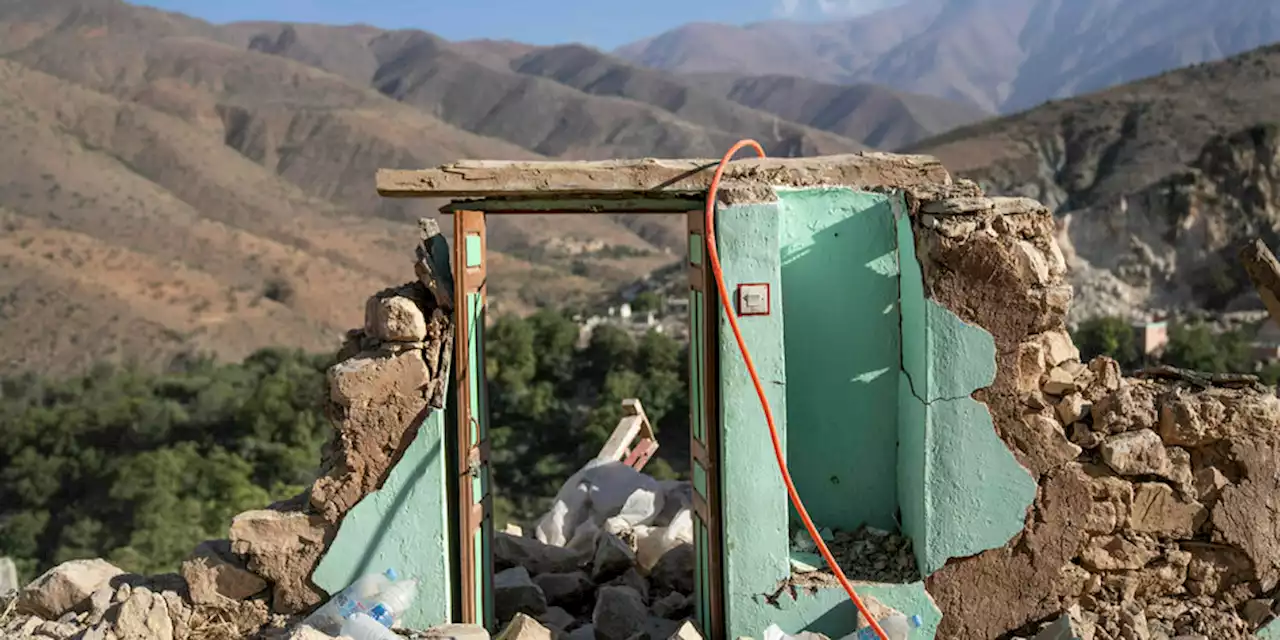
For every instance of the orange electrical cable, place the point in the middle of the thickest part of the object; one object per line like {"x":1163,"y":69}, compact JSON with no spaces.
{"x":714,"y":257}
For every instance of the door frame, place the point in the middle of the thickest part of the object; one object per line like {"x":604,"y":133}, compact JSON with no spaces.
{"x":473,"y":530}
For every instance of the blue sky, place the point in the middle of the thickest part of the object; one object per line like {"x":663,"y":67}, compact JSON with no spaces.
{"x":602,"y":23}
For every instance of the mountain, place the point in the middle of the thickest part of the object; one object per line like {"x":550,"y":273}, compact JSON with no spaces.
{"x":169,"y":185}
{"x":1157,"y":183}
{"x":1000,"y":55}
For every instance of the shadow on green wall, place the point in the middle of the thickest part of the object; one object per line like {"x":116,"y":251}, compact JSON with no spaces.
{"x":840,"y":295}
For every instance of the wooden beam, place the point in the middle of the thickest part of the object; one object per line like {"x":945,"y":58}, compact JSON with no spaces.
{"x":489,"y":178}
{"x":1264,"y":271}
{"x":670,"y":204}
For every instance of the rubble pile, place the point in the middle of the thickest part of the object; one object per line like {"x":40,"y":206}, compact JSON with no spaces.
{"x":866,"y":554}
{"x":256,"y":583}
{"x":1156,"y":512}
{"x":611,"y":559}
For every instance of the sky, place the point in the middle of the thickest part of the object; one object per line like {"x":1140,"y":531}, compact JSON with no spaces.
{"x":601,"y":23}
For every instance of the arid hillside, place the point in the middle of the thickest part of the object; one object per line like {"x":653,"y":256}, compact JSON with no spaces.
{"x":168,"y":185}
{"x":1157,"y":183}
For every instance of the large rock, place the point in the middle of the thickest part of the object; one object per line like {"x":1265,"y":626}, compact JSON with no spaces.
{"x":456,"y":632}
{"x":283,"y":547}
{"x":214,"y":575}
{"x":674,"y":571}
{"x":619,"y":614}
{"x":512,"y":551}
{"x":394,"y":318}
{"x":514,"y":592}
{"x":569,"y":590}
{"x":612,"y":557}
{"x":65,"y":587}
{"x":1158,"y":510}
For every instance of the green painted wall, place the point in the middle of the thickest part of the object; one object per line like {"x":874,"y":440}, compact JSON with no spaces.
{"x":402,"y":525}
{"x":1269,"y":632}
{"x":861,"y":368}
{"x":839,"y":296}
{"x":754,"y":497}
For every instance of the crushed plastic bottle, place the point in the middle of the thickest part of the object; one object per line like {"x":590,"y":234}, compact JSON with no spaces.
{"x":329,"y":618}
{"x":897,"y":627}
{"x":391,"y":603}
{"x":362,"y":627}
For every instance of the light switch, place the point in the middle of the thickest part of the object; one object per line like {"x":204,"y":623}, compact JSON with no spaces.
{"x":753,"y":299}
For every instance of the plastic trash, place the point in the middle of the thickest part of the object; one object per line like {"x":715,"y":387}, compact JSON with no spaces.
{"x":602,"y":491}
{"x":329,"y":618}
{"x":390,"y":605}
{"x":362,"y":627}
{"x":775,"y":633}
{"x":897,"y":627}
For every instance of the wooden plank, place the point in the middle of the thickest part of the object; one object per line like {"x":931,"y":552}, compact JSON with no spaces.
{"x":659,"y":205}
{"x":487,"y":178}
{"x":1264,"y":271}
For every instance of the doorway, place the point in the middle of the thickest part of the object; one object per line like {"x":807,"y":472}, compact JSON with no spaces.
{"x":472,"y":496}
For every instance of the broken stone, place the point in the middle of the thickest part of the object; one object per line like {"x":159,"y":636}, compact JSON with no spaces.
{"x":569,"y":590}
{"x":523,"y":627}
{"x":1031,"y":366}
{"x":212,"y":573}
{"x":1059,"y":349}
{"x":674,"y":571}
{"x":557,"y":618}
{"x":619,"y":613}
{"x":674,"y":606}
{"x":612,"y":557}
{"x":283,"y":547}
{"x":687,"y":631}
{"x":1257,"y":611}
{"x":1073,"y":408}
{"x":1061,"y":382}
{"x":305,"y":632}
{"x":394,"y":319}
{"x":1116,"y":553}
{"x":1045,"y":443}
{"x":1136,"y":453}
{"x":1129,"y":408}
{"x":144,"y":616}
{"x":1085,"y":437}
{"x":632,"y":578}
{"x":585,"y":632}
{"x":99,"y":602}
{"x":1157,"y":510}
{"x":1106,"y":373}
{"x":1208,"y":483}
{"x":514,"y":592}
{"x":53,"y":629}
{"x":512,"y":551}
{"x":456,"y":631}
{"x":64,"y":587}
{"x":1031,"y":264}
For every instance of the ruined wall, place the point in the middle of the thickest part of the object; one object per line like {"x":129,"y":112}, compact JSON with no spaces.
{"x":380,"y":494}
{"x":1156,"y":509}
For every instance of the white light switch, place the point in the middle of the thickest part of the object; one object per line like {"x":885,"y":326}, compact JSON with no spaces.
{"x":753,"y":299}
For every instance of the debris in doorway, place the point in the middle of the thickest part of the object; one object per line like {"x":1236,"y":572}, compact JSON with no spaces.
{"x":866,"y":554}
{"x":611,"y":559}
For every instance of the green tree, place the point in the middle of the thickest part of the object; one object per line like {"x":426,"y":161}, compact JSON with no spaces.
{"x":1108,"y":336}
{"x":646,"y":301}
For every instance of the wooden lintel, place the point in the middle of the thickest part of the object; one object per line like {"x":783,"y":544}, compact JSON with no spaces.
{"x":579,"y":204}
{"x":636,"y":178}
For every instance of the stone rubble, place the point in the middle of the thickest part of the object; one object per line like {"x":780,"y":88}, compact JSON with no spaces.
{"x":596,"y":583}
{"x":866,"y":554}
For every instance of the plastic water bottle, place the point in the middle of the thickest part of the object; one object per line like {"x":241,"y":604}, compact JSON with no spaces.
{"x":329,"y":617}
{"x":897,"y":627}
{"x":392,"y":602}
{"x":362,"y":627}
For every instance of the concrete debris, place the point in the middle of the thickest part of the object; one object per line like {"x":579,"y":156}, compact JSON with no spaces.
{"x":865,"y":554}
